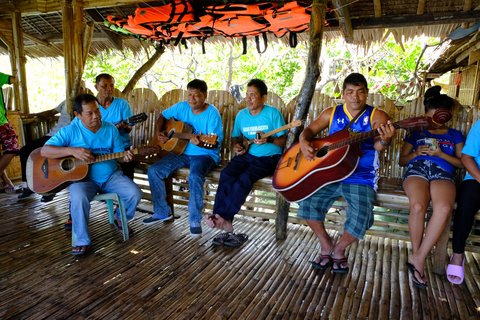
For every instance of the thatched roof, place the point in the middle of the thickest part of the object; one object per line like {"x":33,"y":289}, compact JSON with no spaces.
{"x":359,"y":21}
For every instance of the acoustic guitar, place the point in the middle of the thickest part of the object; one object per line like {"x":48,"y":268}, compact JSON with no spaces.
{"x":295,"y":123}
{"x":179,"y":133}
{"x":46,"y":175}
{"x":336,"y":158}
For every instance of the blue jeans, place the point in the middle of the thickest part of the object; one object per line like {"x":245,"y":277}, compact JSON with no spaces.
{"x":199,"y":166}
{"x":81,"y":193}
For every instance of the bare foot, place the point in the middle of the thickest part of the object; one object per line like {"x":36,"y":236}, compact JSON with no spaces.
{"x":216,"y":221}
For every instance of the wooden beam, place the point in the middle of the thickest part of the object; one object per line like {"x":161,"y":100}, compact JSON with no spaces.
{"x":421,"y":7}
{"x":44,"y":6}
{"x":467,"y":5}
{"x":377,"y":8}
{"x":68,"y":50}
{"x":415,"y":20}
{"x":21,"y":75}
{"x":343,"y":14}
{"x":114,"y":38}
{"x":466,"y":53}
{"x":474,"y":57}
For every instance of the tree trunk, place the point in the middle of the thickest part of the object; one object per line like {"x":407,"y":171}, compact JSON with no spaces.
{"x":142,"y":70}
{"x":304,"y":99}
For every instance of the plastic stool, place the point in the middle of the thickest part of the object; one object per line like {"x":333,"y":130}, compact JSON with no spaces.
{"x":109,"y":198}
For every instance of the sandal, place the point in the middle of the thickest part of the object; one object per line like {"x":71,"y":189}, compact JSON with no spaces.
{"x":79,"y":250}
{"x":220,"y":239}
{"x":338,"y":265}
{"x":324,"y":266}
{"x":235,"y":240}
{"x":456,"y":273}
{"x":415,"y":280}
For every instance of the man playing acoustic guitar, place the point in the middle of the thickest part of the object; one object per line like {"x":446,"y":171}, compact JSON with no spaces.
{"x":86,"y":137}
{"x":359,"y":188}
{"x":250,"y":163}
{"x":200,"y":158}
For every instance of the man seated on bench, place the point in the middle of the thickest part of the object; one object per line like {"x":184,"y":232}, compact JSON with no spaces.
{"x":204,"y":119}
{"x":85,"y":137}
{"x":359,"y":188}
{"x":63,"y":120}
{"x":255,"y":158}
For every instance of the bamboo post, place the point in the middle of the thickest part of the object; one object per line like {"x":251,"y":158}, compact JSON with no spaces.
{"x":68,"y":50}
{"x":304,"y":99}
{"x":20,"y":74}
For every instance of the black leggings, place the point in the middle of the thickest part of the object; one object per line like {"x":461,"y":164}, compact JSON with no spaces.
{"x":468,"y":203}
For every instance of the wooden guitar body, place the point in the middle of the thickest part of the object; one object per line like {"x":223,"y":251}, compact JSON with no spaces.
{"x":52,"y":175}
{"x":296,"y":178}
{"x":175,"y":144}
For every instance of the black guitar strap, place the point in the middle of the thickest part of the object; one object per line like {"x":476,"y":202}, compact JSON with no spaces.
{"x":355,"y":118}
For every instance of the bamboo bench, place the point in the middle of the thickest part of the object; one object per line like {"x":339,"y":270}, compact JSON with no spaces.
{"x":391,"y":211}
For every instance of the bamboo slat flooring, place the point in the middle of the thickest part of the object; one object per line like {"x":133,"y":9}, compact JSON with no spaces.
{"x":162,"y":273}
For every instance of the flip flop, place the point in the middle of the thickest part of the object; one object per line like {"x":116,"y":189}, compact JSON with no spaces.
{"x":415,"y":280}
{"x":220,"y":239}
{"x":337,"y":265}
{"x":319,"y":265}
{"x":80,"y":250}
{"x":235,"y":240}
{"x":455,"y":273}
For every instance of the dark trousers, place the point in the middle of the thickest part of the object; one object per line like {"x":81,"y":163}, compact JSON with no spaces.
{"x":468,"y":203}
{"x":236,"y":182}
{"x":27,"y":149}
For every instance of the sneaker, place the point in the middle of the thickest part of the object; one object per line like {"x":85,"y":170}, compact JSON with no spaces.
{"x":152,"y":220}
{"x":47,"y":198}
{"x":25,"y":193}
{"x":195,"y":232}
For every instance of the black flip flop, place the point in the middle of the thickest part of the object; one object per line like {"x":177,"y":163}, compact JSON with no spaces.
{"x":319,"y":266}
{"x":235,"y":240}
{"x":414,"y":271}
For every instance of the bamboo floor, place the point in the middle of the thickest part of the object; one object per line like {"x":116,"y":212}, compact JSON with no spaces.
{"x":162,"y":273}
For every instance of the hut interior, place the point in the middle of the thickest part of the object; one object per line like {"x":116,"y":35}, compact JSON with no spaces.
{"x":161,"y":273}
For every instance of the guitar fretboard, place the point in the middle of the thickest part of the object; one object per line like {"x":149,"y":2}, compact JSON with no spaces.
{"x":111,"y":156}
{"x":360,"y":136}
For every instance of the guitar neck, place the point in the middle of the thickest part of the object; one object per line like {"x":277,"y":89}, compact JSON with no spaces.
{"x":271,"y":133}
{"x":183,"y":135}
{"x":358,"y":137}
{"x":110,"y":156}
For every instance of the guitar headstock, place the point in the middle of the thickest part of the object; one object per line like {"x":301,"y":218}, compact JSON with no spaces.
{"x":439,"y":118}
{"x":137,"y":119}
{"x":209,"y":141}
{"x":295,"y":123}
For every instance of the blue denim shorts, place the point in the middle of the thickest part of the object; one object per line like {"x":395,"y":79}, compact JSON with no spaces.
{"x":427,"y":170}
{"x":360,"y":199}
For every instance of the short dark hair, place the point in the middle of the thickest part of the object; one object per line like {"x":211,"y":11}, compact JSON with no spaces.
{"x":198,"y":84}
{"x":260,"y":85}
{"x":82,"y":99}
{"x":434,"y":99}
{"x":103,"y":76}
{"x":355,"y":79}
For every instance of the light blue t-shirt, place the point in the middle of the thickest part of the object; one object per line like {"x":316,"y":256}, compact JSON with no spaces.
{"x":207,"y":122}
{"x":105,"y":141}
{"x":118,"y":111}
{"x":247,"y":125}
{"x":472,"y":146}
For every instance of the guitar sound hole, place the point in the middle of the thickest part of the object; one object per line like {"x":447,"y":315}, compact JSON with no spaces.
{"x":67,"y":164}
{"x":322,"y":152}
